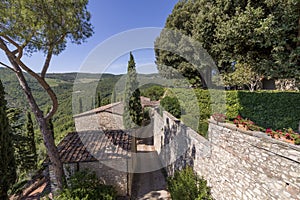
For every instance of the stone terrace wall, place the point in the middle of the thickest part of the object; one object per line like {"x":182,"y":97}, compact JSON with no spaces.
{"x":237,"y":164}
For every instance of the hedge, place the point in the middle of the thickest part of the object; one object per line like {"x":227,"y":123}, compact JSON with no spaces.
{"x":268,"y":109}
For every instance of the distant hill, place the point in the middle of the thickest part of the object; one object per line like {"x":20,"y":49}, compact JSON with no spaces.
{"x":62,"y":84}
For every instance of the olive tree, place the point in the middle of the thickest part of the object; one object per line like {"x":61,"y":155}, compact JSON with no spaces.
{"x":29,"y":26}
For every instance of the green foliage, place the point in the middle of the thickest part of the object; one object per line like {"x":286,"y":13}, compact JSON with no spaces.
{"x":98,"y":100}
{"x":154,"y":92}
{"x":7,"y":164}
{"x":23,"y":142}
{"x":186,"y":184}
{"x":242,"y":75}
{"x":80,"y":106}
{"x":270,"y":109}
{"x":132,"y":115}
{"x":261,"y":34}
{"x":85,"y":185}
{"x":45,"y":27}
{"x":265,"y":108}
{"x":31,"y":160}
{"x":172,"y":105}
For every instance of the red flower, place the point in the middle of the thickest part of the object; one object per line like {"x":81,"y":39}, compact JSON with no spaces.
{"x":239,"y":117}
{"x":268,"y":130}
{"x":288,"y":136}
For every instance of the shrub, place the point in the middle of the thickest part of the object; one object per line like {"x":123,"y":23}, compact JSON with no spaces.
{"x":268,"y":109}
{"x":154,"y":92}
{"x":186,"y":184}
{"x":172,"y":105}
{"x":85,"y":185}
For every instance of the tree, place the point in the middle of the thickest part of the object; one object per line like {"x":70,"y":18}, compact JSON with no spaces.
{"x":23,"y":141}
{"x":32,"y":161}
{"x":171,"y":105}
{"x":114,"y":96}
{"x":133,"y":114}
{"x":46,"y":26}
{"x":154,"y":92}
{"x":80,"y":105}
{"x":262,"y":34}
{"x":7,"y":164}
{"x":243,"y":74}
{"x":98,"y":100}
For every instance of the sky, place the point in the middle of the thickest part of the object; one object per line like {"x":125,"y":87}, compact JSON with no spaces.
{"x":111,"y":20}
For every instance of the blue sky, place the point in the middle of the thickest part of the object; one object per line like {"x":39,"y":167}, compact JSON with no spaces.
{"x":110,"y":17}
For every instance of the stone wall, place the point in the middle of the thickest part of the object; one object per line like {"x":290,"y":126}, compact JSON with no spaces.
{"x":108,"y":176}
{"x":237,"y":164}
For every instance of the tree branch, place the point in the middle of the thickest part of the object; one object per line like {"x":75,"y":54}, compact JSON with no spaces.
{"x":46,"y":87}
{"x":5,"y":65}
{"x":47,"y":62}
{"x":19,"y":48}
{"x":41,"y":80}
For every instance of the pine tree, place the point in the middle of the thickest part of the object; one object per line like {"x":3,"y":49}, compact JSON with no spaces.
{"x":132,"y":116}
{"x":31,"y":142}
{"x":7,"y":164}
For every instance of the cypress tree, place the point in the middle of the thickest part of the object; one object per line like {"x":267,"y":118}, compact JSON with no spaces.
{"x":114,"y":96}
{"x":31,"y":142}
{"x":98,"y":100}
{"x":132,"y":116}
{"x":80,"y":105}
{"x":23,"y":140}
{"x":19,"y":139}
{"x":7,"y":164}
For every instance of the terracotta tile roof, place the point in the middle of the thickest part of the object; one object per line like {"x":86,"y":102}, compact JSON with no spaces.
{"x":146,"y":102}
{"x":90,"y":146}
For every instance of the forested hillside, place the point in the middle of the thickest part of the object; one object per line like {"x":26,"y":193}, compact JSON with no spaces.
{"x":63,"y":87}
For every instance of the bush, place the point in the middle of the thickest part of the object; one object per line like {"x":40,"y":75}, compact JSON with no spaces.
{"x":154,"y":92}
{"x":186,"y":184}
{"x":85,"y":185}
{"x":172,"y":105}
{"x":271,"y":109}
{"x":268,"y":109}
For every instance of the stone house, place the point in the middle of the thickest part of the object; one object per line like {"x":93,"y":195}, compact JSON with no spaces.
{"x":100,"y":145}
{"x":107,"y":153}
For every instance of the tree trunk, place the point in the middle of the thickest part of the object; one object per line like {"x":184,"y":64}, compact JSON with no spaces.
{"x":53,"y":153}
{"x":52,"y":150}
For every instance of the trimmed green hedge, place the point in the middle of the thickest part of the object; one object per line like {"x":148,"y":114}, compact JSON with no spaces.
{"x":268,"y":109}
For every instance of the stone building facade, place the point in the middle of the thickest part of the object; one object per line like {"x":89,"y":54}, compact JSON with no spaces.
{"x":99,"y":145}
